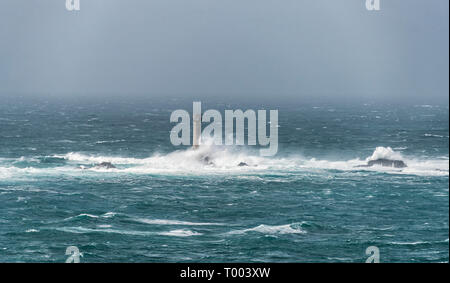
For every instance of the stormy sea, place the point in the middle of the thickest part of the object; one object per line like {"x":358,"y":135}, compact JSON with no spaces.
{"x":155,"y":202}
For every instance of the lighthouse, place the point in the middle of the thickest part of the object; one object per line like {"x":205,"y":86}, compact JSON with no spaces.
{"x":197,"y":126}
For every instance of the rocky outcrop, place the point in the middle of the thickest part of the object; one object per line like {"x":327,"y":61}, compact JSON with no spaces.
{"x":386,"y":163}
{"x":105,"y":165}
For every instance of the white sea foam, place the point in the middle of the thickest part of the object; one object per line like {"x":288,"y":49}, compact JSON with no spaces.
{"x":104,"y":226}
{"x":415,"y":166}
{"x":418,"y":243}
{"x":174,"y":222}
{"x":109,"y":214}
{"x":145,"y":220}
{"x":435,"y":136}
{"x":92,"y":159}
{"x":65,"y":141}
{"x":385,"y":153}
{"x":85,"y":230}
{"x":224,"y":160}
{"x":179,"y":233}
{"x":112,"y":141}
{"x":268,"y":229}
{"x":106,"y":215}
{"x":83,"y":215}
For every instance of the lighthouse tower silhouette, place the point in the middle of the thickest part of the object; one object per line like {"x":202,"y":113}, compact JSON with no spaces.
{"x":197,"y":125}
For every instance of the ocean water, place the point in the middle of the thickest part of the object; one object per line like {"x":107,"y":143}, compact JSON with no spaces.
{"x":309,"y":203}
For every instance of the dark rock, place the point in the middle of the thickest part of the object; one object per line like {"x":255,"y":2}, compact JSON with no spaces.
{"x":386,"y":163}
{"x":242,"y":164}
{"x":106,"y":165}
{"x":206,"y":160}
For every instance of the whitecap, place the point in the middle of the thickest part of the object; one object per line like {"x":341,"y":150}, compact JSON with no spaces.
{"x":82,"y":215}
{"x":268,"y":229}
{"x":173,"y":222}
{"x":180,"y":233}
{"x":111,"y":141}
{"x":106,"y":215}
{"x":104,"y":226}
{"x":434,"y":136}
{"x":84,"y":230}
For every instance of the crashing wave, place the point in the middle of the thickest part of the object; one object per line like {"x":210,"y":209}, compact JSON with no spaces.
{"x":221,"y":160}
{"x":386,"y":157}
{"x":384,"y":153}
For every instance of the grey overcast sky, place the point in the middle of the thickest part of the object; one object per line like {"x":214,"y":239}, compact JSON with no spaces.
{"x":296,"y":49}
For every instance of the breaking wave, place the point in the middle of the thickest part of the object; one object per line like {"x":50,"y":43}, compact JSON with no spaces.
{"x":149,"y":221}
{"x":385,"y":153}
{"x":220,"y":160}
{"x":294,"y":228}
{"x":87,"y":215}
{"x":84,"y":230}
{"x":174,"y":222}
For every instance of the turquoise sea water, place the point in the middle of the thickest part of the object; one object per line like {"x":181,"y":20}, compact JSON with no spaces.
{"x":309,"y":203}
